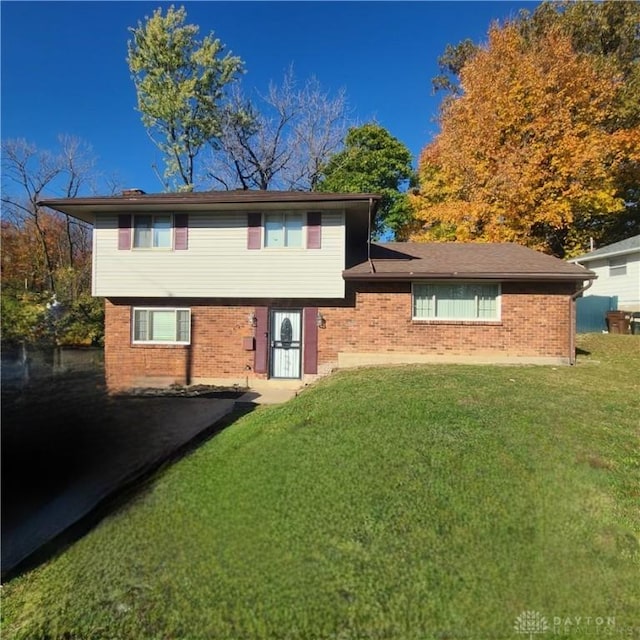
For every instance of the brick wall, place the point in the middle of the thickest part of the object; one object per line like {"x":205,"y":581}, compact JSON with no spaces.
{"x":535,"y":322}
{"x":374,"y":317}
{"x":216,"y":349}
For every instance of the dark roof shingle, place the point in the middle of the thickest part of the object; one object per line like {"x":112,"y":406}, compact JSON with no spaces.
{"x":456,"y":260}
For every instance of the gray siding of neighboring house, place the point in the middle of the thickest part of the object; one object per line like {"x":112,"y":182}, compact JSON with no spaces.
{"x":625,"y":286}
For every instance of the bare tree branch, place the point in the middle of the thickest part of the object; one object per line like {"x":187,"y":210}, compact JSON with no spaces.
{"x":36,"y":173}
{"x":282,"y":139}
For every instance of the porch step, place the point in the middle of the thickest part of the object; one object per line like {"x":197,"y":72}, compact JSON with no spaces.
{"x":271,"y":391}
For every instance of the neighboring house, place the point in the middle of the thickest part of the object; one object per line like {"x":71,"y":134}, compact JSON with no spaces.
{"x":618,"y":269}
{"x":235,"y":286}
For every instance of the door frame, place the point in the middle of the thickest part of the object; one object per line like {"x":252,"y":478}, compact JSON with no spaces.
{"x":271,"y":343}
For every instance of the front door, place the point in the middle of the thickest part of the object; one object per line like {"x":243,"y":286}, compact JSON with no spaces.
{"x":286,"y":343}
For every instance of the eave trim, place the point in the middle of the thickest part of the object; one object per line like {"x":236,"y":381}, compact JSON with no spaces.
{"x":521,"y":277}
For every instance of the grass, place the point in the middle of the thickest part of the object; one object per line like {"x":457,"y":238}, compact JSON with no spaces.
{"x":413,"y":502}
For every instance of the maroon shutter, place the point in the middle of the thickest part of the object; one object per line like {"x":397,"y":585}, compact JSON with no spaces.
{"x":262,"y":340}
{"x":124,"y":231}
{"x":310,"y":340}
{"x":254,"y":230}
{"x":314,"y":230}
{"x":180,"y":231}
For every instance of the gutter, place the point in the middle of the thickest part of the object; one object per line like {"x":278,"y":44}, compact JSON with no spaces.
{"x":518,"y":277}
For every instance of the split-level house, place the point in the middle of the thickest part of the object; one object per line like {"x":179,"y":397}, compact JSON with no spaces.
{"x":231,"y":287}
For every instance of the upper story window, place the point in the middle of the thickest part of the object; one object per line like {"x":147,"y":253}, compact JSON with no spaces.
{"x":456,"y":301}
{"x":618,"y":266}
{"x":152,"y":232}
{"x":148,"y":231}
{"x":283,"y":229}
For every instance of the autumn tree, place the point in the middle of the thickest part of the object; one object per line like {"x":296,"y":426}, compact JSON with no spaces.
{"x":280,"y":139}
{"x":607,"y":35}
{"x":46,"y":256}
{"x":373,"y":161}
{"x":608,"y":31}
{"x":55,"y":241}
{"x":180,"y":83}
{"x":527,"y":152}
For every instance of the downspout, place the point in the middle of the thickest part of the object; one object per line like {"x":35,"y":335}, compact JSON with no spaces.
{"x":373,"y":269}
{"x":572,"y":321}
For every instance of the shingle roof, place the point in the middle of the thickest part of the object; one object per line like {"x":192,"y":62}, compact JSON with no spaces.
{"x":628,"y":245}
{"x":456,"y":260}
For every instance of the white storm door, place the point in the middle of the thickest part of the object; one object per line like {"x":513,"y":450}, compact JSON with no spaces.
{"x":286,"y":344}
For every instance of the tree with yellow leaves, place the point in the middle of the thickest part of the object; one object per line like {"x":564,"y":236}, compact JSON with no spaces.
{"x":527,"y":152}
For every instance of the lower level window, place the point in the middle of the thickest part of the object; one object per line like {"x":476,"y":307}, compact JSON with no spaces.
{"x":457,"y":301}
{"x":172,"y":326}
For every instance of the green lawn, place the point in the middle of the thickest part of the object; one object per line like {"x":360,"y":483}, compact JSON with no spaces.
{"x":411,"y":502}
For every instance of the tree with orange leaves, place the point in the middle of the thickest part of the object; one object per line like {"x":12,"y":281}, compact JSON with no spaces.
{"x":526,"y":151}
{"x":46,"y":257}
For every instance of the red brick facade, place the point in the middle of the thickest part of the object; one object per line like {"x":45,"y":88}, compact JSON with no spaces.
{"x":536,"y":323}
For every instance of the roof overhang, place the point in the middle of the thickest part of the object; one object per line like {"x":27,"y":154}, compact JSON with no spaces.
{"x":470,"y":276}
{"x":608,"y":254}
{"x":87,"y":208}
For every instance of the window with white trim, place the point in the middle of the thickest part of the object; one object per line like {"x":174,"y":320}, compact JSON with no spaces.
{"x":283,"y":229}
{"x":162,"y":325}
{"x":456,"y":301}
{"x":618,"y":266}
{"x":152,"y":232}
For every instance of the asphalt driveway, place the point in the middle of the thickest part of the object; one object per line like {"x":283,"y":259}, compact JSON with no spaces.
{"x":68,"y":448}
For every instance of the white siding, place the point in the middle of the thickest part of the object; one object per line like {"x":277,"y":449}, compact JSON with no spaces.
{"x":218,"y":263}
{"x":626,"y":287}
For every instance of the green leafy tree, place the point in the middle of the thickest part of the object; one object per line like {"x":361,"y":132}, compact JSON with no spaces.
{"x":180,"y":83}
{"x":451,"y":63}
{"x":22,"y":316}
{"x":81,"y":322}
{"x":373,"y":161}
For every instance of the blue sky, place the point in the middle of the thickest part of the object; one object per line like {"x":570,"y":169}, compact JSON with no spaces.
{"x":64,"y":65}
